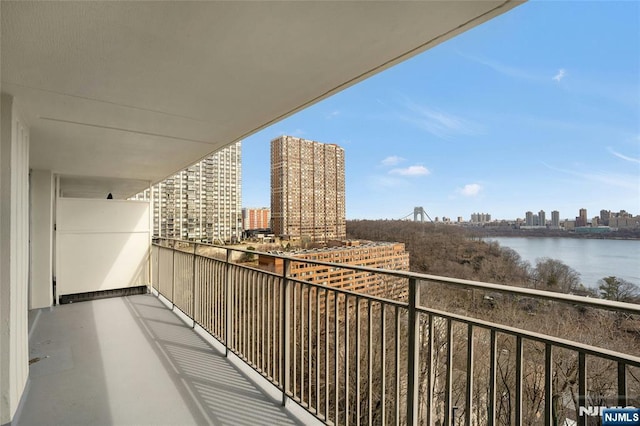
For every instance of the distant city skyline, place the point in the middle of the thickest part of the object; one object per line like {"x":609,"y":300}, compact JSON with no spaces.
{"x":536,"y":109}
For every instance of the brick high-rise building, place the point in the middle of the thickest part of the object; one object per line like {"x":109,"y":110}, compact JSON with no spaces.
{"x":582,"y":219}
{"x":256,"y":218}
{"x":307,"y":189}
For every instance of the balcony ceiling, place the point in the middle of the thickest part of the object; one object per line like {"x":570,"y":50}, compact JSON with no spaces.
{"x":139,"y":90}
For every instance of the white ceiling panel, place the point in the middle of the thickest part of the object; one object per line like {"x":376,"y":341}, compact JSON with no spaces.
{"x":140,"y":90}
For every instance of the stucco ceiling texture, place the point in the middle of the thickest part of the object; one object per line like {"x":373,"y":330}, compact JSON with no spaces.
{"x":140,"y":90}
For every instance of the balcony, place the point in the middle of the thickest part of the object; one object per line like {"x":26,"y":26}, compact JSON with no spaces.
{"x":415,"y":357}
{"x":130,"y":360}
{"x":108,"y":98}
{"x":343,"y":356}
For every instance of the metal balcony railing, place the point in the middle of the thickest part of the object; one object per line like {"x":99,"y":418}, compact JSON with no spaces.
{"x":435,"y":351}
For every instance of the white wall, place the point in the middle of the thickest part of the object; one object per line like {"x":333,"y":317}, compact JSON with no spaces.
{"x":14,"y":257}
{"x":101,"y":244}
{"x":42,"y":193}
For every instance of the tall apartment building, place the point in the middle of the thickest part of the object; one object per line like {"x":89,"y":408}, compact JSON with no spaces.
{"x":582,"y":219}
{"x":256,"y":218}
{"x":307,"y":189}
{"x":480,"y":217}
{"x":542,"y":218}
{"x":555,"y":219}
{"x":529,"y":218}
{"x":202,"y":202}
{"x":384,"y":255}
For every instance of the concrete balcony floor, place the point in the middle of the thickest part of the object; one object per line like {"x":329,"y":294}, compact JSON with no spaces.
{"x":130,"y":360}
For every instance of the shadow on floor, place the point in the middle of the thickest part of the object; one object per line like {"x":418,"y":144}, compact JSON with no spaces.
{"x":223,"y":394}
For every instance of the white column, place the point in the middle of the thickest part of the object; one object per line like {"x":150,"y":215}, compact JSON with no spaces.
{"x":42,"y":193}
{"x":14,"y":258}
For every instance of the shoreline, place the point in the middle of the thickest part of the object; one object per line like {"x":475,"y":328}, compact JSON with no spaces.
{"x":629,"y":235}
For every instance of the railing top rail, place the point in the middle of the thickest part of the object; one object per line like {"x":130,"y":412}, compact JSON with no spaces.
{"x":611,"y":305}
{"x":556,"y":341}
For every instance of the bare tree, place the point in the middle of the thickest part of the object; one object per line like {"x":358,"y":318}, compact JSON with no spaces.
{"x":553,"y":275}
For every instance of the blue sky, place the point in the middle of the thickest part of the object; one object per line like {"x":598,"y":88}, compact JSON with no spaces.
{"x":538,"y":109}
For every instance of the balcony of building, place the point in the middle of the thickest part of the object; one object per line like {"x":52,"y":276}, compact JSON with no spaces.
{"x":130,"y":360}
{"x":108,"y":98}
{"x":244,"y":343}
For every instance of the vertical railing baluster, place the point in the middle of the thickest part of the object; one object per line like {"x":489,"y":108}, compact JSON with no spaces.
{"x":285,"y":332}
{"x":264,"y":335}
{"x":309,"y":329}
{"x":492,"y":379}
{"x":519,"y":367}
{"x":173,"y":276}
{"x":357,"y":361}
{"x":383,"y":365}
{"x":242,"y":280}
{"x":430,"y":371}
{"x":622,"y":384}
{"x":241,"y":297}
{"x":254,"y":311}
{"x":413,"y":327}
{"x":582,"y":387}
{"x":193,"y":292}
{"x":214,"y":300}
{"x":369,"y":362}
{"x":220,"y":303}
{"x":469,"y":397}
{"x":229,"y":299}
{"x":274,"y":330}
{"x":326,"y":354}
{"x":246,"y":293}
{"x":317,"y":293}
{"x":336,"y":361}
{"x":397,"y":364}
{"x":346,"y":359}
{"x":294,"y":336}
{"x":448,"y":407}
{"x":247,"y":278}
{"x":548,"y":385}
{"x":301,"y":323}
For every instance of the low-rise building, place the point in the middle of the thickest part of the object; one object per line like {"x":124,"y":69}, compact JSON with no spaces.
{"x":379,"y":255}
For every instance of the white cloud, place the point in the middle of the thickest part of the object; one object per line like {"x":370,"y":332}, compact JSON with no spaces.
{"x":332,"y":114}
{"x":560,"y":75}
{"x":385,"y":182}
{"x":439,"y":123}
{"x":471,"y":190}
{"x":607,"y":178}
{"x":411,"y":171}
{"x":624,"y":157}
{"x":393,"y":160}
{"x":501,"y":68}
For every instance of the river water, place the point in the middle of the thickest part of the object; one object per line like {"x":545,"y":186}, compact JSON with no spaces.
{"x":594,"y":259}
